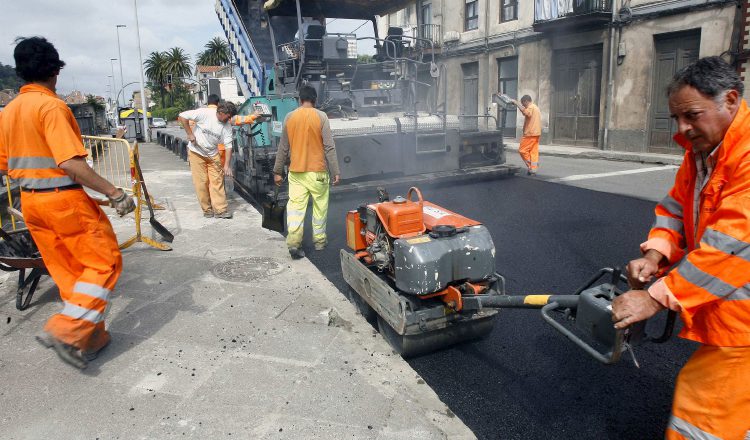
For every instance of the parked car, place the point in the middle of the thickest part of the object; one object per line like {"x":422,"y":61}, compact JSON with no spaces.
{"x":158,"y":123}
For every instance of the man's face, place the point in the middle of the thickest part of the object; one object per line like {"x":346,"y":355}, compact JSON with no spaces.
{"x":223,"y":117}
{"x":701,"y":119}
{"x":525,"y":102}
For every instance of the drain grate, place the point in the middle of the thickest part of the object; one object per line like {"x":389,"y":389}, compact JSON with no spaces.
{"x":247,"y":269}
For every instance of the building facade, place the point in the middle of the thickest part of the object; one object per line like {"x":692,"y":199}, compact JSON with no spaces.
{"x":598,"y":75}
{"x":218,"y":80}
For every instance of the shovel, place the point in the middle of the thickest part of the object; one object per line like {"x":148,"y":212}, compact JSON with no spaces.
{"x":158,"y":227}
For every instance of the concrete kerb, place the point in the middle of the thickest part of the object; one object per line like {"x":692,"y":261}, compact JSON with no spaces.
{"x":588,"y":153}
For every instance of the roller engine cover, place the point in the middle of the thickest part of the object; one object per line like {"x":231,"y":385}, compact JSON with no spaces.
{"x":429,"y":263}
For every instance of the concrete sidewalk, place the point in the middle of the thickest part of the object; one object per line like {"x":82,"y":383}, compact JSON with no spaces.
{"x":223,"y":337}
{"x":591,"y":153}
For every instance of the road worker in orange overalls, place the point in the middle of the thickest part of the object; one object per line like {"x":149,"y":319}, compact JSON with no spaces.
{"x":699,"y":248}
{"x":41,"y":150}
{"x":532,"y":131}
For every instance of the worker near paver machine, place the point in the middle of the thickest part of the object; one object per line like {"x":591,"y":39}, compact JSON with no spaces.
{"x":211,"y":129}
{"x":307,"y":143}
{"x":702,"y":232}
{"x":212,"y":101}
{"x":41,"y":150}
{"x":532,"y":131}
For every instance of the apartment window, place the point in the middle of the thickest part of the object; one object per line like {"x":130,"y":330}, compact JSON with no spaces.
{"x":471,"y":15}
{"x":508,"y":10}
{"x":426,"y":13}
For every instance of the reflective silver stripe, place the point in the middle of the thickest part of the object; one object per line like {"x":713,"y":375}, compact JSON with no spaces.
{"x":77,"y":312}
{"x":669,"y":223}
{"x":91,"y":290}
{"x":52,"y":182}
{"x":31,"y":163}
{"x":727,"y":244}
{"x":672,"y":205}
{"x":712,"y":284}
{"x":688,"y":430}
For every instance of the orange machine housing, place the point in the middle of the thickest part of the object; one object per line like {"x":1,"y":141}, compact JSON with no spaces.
{"x":355,"y":233}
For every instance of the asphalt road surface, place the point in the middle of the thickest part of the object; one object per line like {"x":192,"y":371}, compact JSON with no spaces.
{"x":526,"y":381}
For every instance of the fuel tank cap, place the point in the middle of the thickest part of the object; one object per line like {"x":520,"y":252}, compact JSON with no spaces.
{"x":443,"y":231}
{"x":399,"y":200}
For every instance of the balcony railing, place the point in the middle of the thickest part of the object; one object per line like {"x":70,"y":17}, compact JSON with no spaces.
{"x":547,"y":10}
{"x":429,"y":32}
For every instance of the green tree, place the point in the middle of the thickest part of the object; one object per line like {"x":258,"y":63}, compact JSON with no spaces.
{"x":177,"y":63}
{"x":94,"y":103}
{"x":156,"y":72}
{"x":8,"y":78}
{"x":216,"y":53}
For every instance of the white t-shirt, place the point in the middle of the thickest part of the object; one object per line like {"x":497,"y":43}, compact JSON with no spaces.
{"x":209,"y":131}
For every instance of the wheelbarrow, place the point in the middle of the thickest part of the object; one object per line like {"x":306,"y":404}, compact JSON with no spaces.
{"x":19,"y":253}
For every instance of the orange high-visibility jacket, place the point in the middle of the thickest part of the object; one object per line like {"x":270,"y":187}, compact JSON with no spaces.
{"x":711,"y":229}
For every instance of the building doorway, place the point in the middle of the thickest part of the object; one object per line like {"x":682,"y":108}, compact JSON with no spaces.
{"x":507,"y":83}
{"x":673,"y":51}
{"x":577,"y":81}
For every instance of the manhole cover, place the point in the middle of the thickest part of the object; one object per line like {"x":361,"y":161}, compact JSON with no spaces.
{"x":247,"y":269}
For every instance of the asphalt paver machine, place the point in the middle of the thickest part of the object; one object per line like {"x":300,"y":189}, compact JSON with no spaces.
{"x":426,"y":277}
{"x":388,"y":112}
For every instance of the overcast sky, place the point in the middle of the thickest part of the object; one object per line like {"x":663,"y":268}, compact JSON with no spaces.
{"x":83,"y":31}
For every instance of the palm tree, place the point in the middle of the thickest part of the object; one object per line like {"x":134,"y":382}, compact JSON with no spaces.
{"x":156,"y":71}
{"x":177,"y":63}
{"x":216,"y":53}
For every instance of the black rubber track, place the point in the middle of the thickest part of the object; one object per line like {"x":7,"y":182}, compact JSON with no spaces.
{"x":526,"y":381}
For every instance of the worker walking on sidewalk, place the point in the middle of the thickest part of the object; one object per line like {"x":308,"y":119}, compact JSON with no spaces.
{"x":699,"y":247}
{"x":532,"y":131}
{"x":42,"y":151}
{"x":211,"y":129}
{"x":307,"y":142}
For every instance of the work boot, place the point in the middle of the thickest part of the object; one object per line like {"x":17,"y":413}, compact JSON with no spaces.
{"x":225,"y":214}
{"x":208,"y":214}
{"x":68,"y":353}
{"x":321,"y":246}
{"x":296,"y":253}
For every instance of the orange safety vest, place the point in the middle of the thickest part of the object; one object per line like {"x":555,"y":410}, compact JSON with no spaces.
{"x":37,"y":133}
{"x":710,"y":227}
{"x":305,"y":131}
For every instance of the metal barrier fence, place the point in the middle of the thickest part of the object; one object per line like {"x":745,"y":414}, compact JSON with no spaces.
{"x":114,"y":159}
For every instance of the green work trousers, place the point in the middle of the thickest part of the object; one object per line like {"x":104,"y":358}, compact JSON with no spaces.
{"x":301,"y":187}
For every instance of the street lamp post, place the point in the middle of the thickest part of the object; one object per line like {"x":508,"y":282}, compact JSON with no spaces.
{"x":114,"y":87}
{"x":119,"y":52}
{"x":146,"y":133}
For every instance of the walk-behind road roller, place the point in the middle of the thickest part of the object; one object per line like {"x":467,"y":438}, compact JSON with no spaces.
{"x":426,"y":277}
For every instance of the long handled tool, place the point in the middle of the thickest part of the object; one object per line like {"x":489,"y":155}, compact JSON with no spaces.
{"x":158,"y":227}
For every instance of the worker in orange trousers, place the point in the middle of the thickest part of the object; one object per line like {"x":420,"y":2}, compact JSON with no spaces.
{"x":532,"y":131}
{"x":41,"y":150}
{"x":699,"y":252}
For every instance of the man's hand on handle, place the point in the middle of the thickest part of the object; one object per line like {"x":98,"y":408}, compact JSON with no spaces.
{"x":633,"y":306}
{"x":642,"y":270}
{"x":336,"y":179}
{"x":122,"y":202}
{"x":278,"y":179}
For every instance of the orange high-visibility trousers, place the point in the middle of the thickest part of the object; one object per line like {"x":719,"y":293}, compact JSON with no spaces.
{"x":529,"y":151}
{"x":712,"y":396}
{"x":79,"y":249}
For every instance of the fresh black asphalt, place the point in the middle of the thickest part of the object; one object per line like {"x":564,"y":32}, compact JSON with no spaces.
{"x":526,"y":381}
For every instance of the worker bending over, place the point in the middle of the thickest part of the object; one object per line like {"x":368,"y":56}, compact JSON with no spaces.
{"x":211,"y":129}
{"x":699,"y":248}
{"x":307,"y":143}
{"x":532,"y":131}
{"x":42,"y":151}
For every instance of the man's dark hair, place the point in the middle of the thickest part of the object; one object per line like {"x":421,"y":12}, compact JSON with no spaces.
{"x":308,"y":93}
{"x":213,"y":99}
{"x":227,"y":108}
{"x":712,"y":76}
{"x":36,"y":59}
{"x":526,"y":98}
